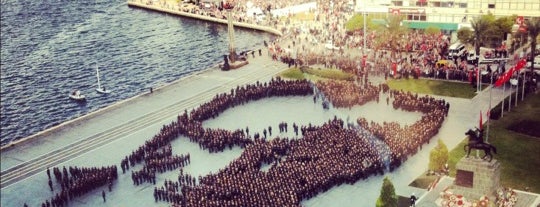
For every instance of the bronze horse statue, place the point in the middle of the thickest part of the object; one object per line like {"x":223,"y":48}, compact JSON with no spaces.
{"x":476,"y":141}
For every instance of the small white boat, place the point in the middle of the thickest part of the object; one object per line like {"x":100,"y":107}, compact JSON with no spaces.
{"x":77,"y":96}
{"x":100,"y":89}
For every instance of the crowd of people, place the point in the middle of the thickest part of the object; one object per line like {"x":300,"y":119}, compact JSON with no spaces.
{"x":297,"y":169}
{"x":406,"y":141}
{"x":326,"y":156}
{"x":346,"y":94}
{"x":77,"y":181}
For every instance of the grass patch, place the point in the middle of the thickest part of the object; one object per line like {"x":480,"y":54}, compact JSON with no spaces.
{"x":423,"y":181}
{"x":528,"y":127}
{"x":331,"y":74}
{"x":434,"y":87}
{"x":517,"y":152}
{"x":292,"y":73}
{"x":316,"y":74}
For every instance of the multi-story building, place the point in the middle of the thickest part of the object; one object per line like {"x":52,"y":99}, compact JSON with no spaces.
{"x":448,"y":15}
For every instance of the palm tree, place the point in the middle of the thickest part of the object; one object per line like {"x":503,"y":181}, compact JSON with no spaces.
{"x":533,"y":27}
{"x":479,"y":25}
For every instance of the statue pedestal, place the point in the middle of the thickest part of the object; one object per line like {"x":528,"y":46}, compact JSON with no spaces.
{"x":476,"y":178}
{"x":237,"y":64}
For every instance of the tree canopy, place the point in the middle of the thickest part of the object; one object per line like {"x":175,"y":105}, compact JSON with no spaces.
{"x":438,"y":156}
{"x":388,"y":196}
{"x":357,"y":23}
{"x":487,"y":31}
{"x":533,"y":28}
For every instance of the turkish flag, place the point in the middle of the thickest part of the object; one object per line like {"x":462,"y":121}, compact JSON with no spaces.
{"x":480,"y":125}
{"x":504,"y":77}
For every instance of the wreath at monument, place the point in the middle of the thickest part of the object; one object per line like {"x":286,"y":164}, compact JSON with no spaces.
{"x":506,"y":197}
{"x":449,"y":199}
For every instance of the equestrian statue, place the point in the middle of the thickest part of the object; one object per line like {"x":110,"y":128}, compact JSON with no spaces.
{"x":476,"y":141}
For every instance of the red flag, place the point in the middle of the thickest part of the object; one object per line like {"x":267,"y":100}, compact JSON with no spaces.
{"x":480,"y":120}
{"x":504,"y":77}
{"x":394,"y":68}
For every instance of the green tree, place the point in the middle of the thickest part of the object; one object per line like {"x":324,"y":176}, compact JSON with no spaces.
{"x":465,"y":35}
{"x":480,"y":26}
{"x":356,"y":23}
{"x":533,"y":28}
{"x":438,"y":156}
{"x":388,"y":196}
{"x":432,"y":30}
{"x":392,"y":33}
{"x":504,"y":25}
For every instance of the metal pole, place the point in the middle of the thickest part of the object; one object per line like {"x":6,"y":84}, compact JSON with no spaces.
{"x":365,"y":34}
{"x":510,"y":99}
{"x":504,"y":97}
{"x":489,"y":110}
{"x":517,"y":89}
{"x":477,"y":79}
{"x":523,"y":88}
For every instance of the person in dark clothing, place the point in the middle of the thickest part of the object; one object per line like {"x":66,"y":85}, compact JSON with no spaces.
{"x":413,"y":200}
{"x":103,"y":195}
{"x":50,"y":184}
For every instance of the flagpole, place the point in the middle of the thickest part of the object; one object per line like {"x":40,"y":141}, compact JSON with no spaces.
{"x":523,"y":88}
{"x":489,"y":110}
{"x":510,"y":98}
{"x":504,"y":97}
{"x":477,"y":79}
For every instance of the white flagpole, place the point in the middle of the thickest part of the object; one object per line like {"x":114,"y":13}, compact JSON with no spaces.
{"x":477,"y":79}
{"x":510,"y":98}
{"x":523,"y":88}
{"x":489,"y":110}
{"x":504,"y":97}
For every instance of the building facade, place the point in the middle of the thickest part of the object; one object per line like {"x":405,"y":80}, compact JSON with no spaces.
{"x":448,"y":15}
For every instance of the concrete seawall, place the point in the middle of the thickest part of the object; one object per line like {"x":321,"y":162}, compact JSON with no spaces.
{"x":203,"y":17}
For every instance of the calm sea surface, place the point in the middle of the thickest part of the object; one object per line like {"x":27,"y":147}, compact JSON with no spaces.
{"x":51,"y":47}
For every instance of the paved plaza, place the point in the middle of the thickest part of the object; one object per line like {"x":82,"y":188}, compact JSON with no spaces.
{"x":103,"y":138}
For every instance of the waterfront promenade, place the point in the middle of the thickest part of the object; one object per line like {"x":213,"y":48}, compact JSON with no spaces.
{"x":173,"y":9}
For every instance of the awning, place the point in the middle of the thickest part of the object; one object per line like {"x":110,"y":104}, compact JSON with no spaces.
{"x":424,"y":25}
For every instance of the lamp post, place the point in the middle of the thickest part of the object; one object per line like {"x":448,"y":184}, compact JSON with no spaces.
{"x":365,"y":34}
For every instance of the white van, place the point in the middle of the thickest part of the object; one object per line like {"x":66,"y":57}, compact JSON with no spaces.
{"x":536,"y":63}
{"x":457,"y":50}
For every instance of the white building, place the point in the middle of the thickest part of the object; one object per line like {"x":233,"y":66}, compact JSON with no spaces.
{"x":447,"y":14}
